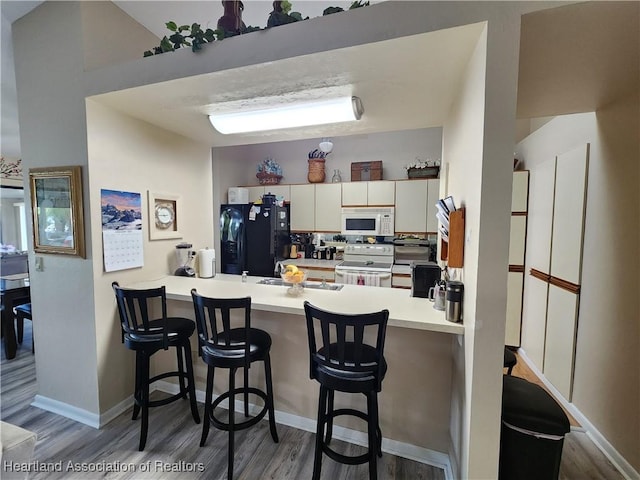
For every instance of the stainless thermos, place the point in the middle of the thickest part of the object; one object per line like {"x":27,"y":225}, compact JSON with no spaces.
{"x":453,"y":307}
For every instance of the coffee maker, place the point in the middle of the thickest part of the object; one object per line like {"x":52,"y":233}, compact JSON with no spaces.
{"x":184,"y":256}
{"x":424,"y":276}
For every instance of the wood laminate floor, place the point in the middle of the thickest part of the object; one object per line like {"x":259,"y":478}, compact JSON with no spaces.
{"x":173,"y":450}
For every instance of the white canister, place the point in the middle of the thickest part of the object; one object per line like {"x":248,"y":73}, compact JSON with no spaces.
{"x":207,"y":263}
{"x":238,"y":195}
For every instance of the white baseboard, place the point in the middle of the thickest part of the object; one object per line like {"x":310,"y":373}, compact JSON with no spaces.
{"x":115,"y":411}
{"x":598,"y":439}
{"x":393,"y":447}
{"x":69,"y":411}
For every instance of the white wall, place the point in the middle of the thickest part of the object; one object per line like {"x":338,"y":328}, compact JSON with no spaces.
{"x":53,"y":133}
{"x":394,"y":149}
{"x":607,"y":372}
{"x":126,"y":154}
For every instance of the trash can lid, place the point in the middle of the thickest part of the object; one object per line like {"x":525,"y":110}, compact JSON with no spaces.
{"x":530,"y":407}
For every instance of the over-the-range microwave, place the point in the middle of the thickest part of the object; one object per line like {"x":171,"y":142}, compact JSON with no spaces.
{"x":378,"y":221}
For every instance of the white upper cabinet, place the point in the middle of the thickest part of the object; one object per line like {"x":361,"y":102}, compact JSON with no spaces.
{"x":374,"y":193}
{"x":354,"y":193}
{"x":279,"y":190}
{"x":328,"y":204}
{"x":568,"y":214}
{"x":303,"y":205}
{"x":255,"y":193}
{"x":381,"y":192}
{"x":517,"y":240}
{"x":411,"y":205}
{"x":540,"y":215}
{"x":519,"y":194}
{"x":433,"y":194}
{"x":415,"y":202}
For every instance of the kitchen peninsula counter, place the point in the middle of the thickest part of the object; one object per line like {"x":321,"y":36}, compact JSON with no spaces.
{"x":404,"y":311}
{"x":416,"y":398}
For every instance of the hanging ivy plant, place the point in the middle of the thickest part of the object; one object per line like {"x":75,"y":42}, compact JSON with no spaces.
{"x":193,"y":36}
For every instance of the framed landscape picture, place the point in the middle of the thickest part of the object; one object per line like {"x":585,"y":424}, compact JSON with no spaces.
{"x":56,"y":202}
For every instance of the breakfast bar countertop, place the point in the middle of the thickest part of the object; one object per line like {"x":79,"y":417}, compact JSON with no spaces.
{"x":404,"y":311}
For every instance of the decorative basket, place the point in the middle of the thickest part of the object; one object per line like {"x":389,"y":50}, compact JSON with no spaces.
{"x":428,"y":172}
{"x":268,"y":178}
{"x":316,"y":170}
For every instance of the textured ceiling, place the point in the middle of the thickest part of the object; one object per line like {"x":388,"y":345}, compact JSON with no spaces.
{"x":400,"y":90}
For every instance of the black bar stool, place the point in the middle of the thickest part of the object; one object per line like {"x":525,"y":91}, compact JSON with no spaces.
{"x":345,"y":363}
{"x":222,"y":346}
{"x":510,"y":360}
{"x":146,"y":337}
{"x":22,"y":313}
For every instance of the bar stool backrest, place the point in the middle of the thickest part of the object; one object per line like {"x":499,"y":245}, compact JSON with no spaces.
{"x":341,"y":345}
{"x":213,"y":319}
{"x":135,"y":307}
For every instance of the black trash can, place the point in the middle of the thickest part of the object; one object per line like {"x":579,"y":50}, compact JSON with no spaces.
{"x":533,"y":430}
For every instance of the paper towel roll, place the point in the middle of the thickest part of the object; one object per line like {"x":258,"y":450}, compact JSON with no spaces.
{"x":207,"y":263}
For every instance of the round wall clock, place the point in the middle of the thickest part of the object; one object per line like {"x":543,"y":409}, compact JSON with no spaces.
{"x":165,"y":214}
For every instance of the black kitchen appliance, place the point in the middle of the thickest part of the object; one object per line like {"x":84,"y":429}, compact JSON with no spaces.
{"x":424,"y":275}
{"x":253,"y":238}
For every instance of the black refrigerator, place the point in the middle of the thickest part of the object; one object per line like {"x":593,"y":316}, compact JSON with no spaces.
{"x":253,"y":238}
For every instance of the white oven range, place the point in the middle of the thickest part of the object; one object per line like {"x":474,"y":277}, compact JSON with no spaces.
{"x":366,"y":264}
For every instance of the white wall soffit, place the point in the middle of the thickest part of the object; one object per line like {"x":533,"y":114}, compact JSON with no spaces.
{"x":404,"y":83}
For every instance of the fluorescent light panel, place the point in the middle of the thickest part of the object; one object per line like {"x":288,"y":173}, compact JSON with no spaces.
{"x":319,"y":112}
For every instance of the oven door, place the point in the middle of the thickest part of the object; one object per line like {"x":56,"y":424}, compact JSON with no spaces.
{"x":372,"y":278}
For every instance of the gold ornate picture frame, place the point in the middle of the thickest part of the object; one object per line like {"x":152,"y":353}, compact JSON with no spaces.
{"x":56,"y":203}
{"x":164,"y":215}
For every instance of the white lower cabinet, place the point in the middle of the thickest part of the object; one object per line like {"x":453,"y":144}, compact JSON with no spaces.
{"x":401,"y":280}
{"x":535,"y":312}
{"x":559,"y":348}
{"x":515,"y":282}
{"x":320,"y":273}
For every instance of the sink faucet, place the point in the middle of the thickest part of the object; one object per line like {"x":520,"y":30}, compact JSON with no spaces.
{"x":277,"y":269}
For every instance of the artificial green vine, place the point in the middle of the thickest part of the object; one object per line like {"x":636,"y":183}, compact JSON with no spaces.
{"x":193,"y":36}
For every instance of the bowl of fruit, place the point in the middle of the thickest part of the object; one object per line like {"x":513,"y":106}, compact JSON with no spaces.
{"x":294,"y":276}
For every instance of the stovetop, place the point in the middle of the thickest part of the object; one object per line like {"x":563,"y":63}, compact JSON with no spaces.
{"x":364,"y":265}
{"x":367,"y":257}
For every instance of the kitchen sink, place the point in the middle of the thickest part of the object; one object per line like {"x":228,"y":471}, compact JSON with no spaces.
{"x":316,"y":285}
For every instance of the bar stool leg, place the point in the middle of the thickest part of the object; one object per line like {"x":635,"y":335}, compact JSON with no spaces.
{"x":191,"y":382}
{"x":232,"y":386}
{"x":181,"y":379}
{"x":377,"y":424}
{"x":322,"y":408}
{"x":329,"y":411}
{"x":138,"y":386}
{"x":272,"y":416}
{"x":144,"y":391}
{"x":207,"y":405}
{"x":373,"y":436}
{"x":246,"y":391}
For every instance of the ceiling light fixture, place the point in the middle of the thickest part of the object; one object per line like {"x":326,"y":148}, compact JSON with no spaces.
{"x":319,"y":112}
